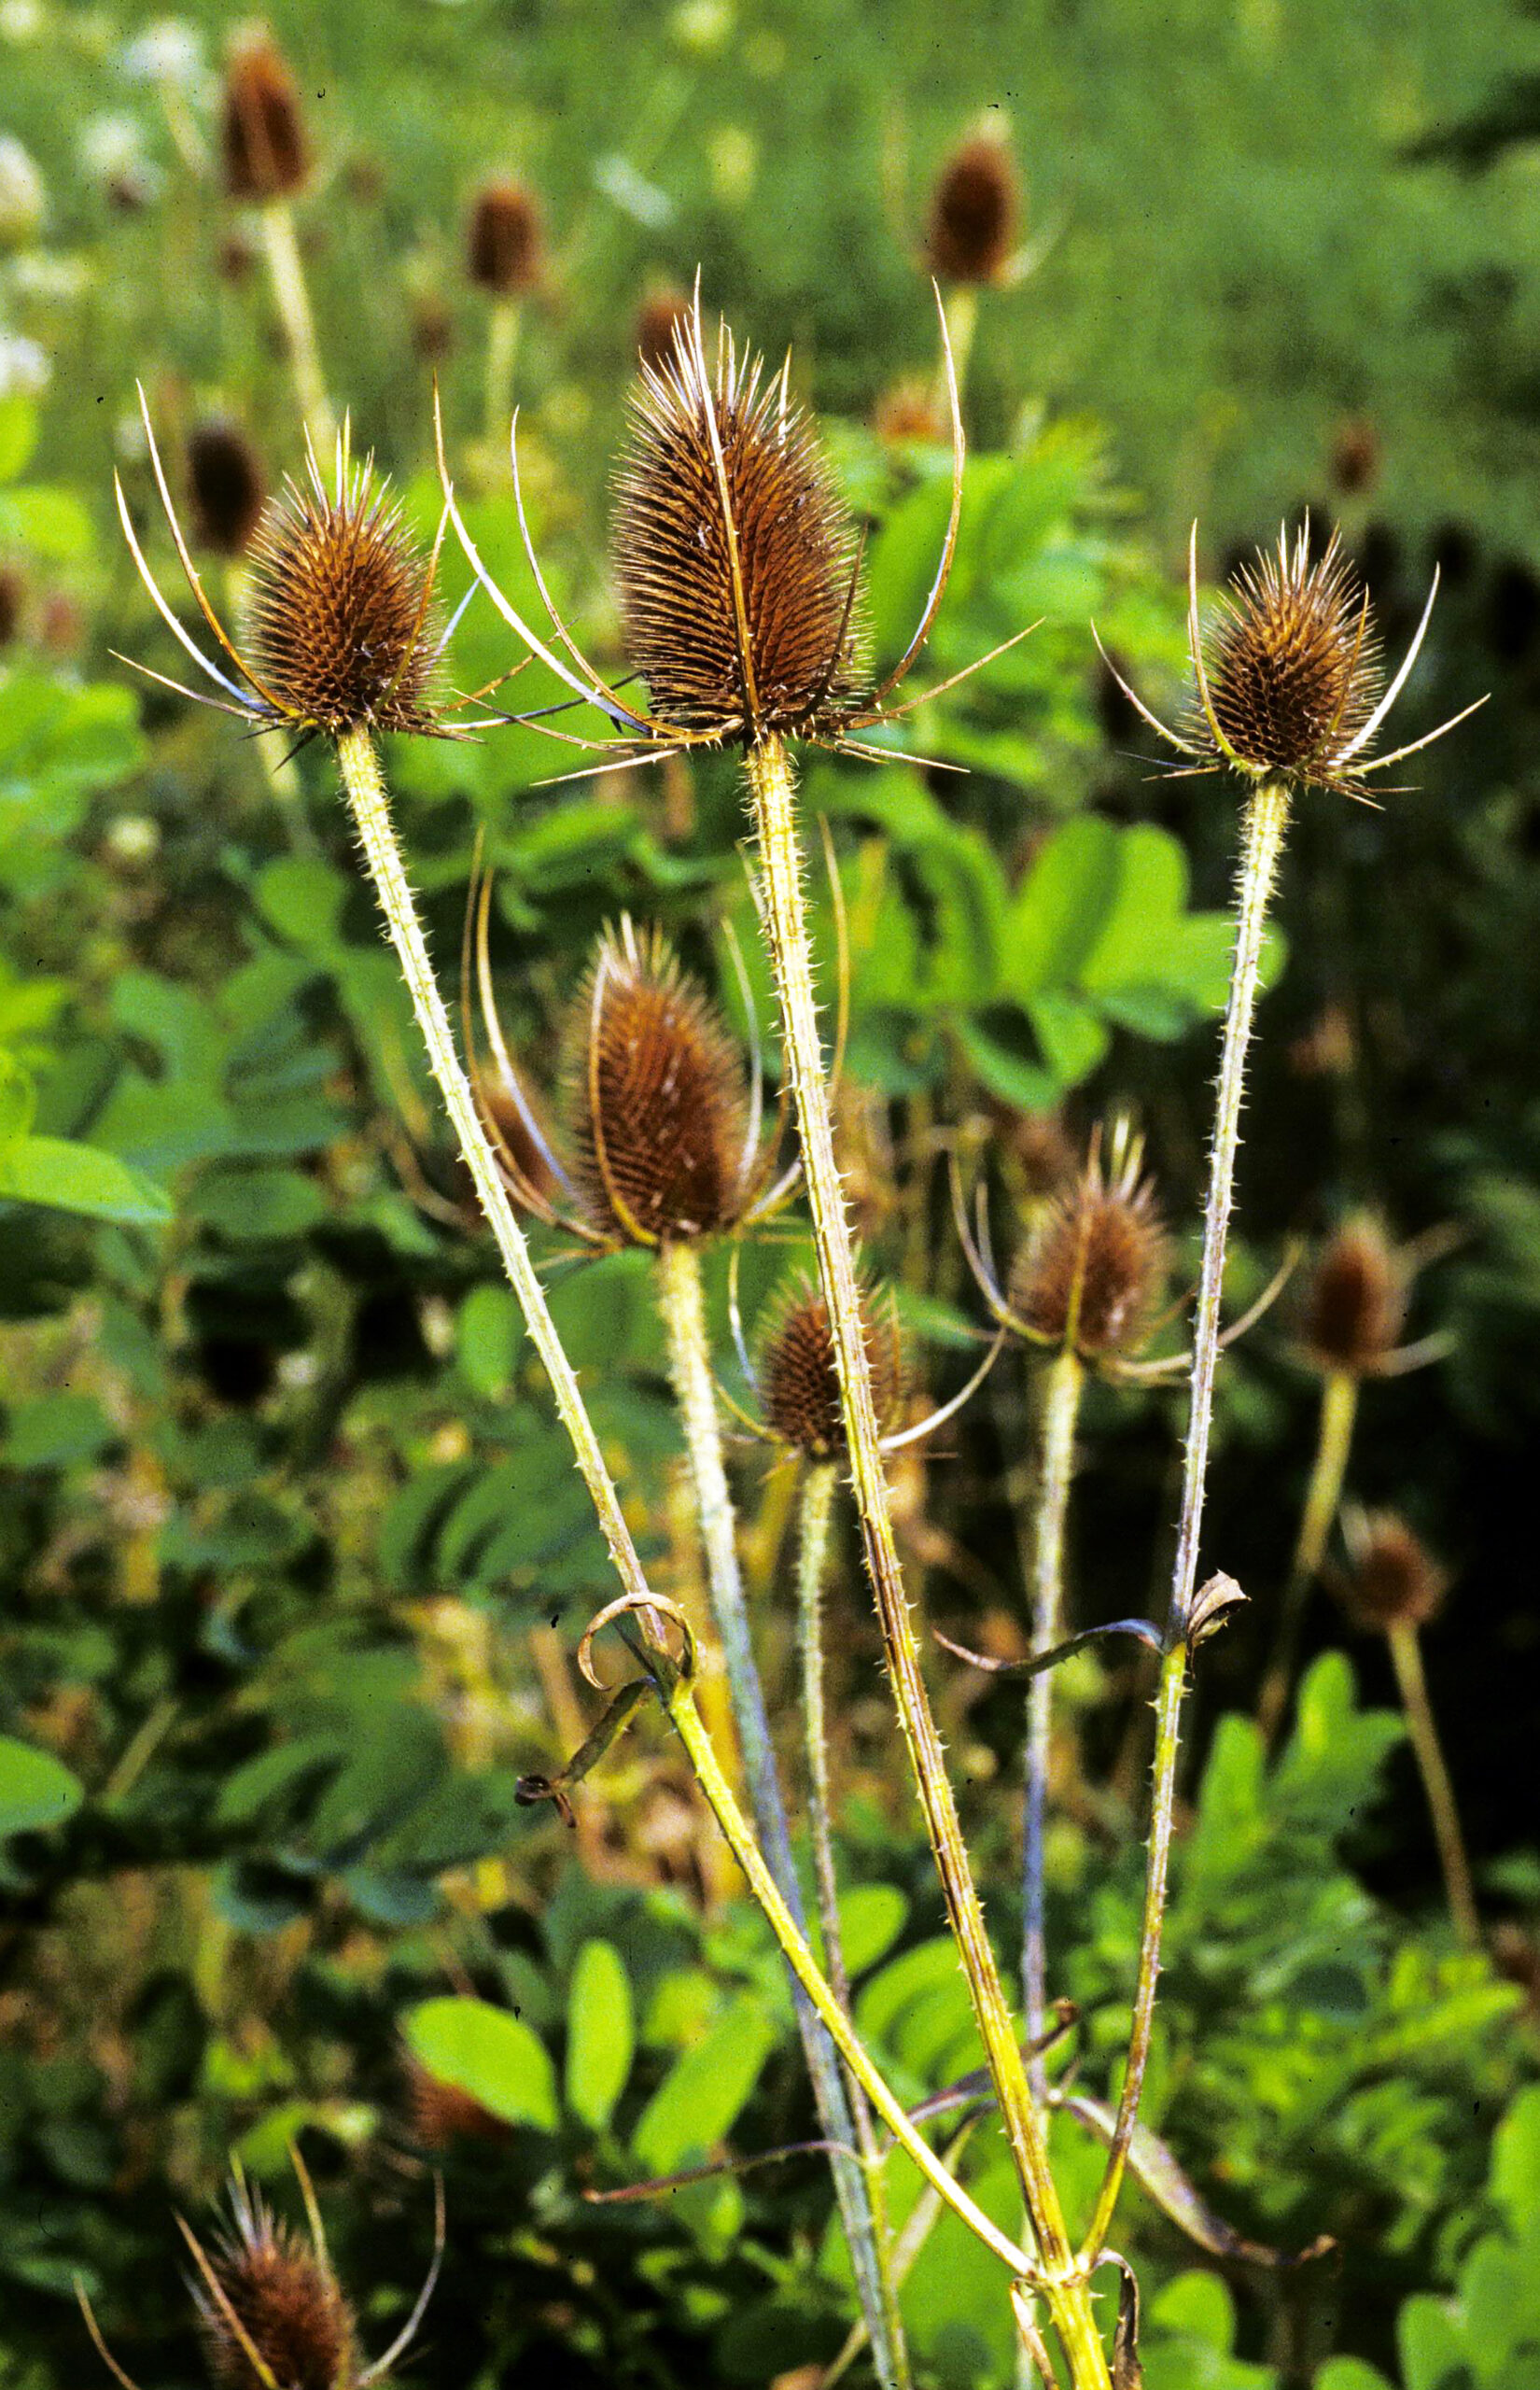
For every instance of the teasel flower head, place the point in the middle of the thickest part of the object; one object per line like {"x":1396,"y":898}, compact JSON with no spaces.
{"x":799,"y":1378}
{"x":1392,"y":1579}
{"x":1092,"y":1271}
{"x":261,"y":132}
{"x":504,"y":242}
{"x":1356,"y":1299}
{"x":975,"y":210}
{"x":225,"y":485}
{"x":270,"y":2308}
{"x":1289,"y":684}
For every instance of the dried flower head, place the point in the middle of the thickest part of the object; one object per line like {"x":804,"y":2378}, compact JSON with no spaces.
{"x":799,"y":1378}
{"x":1289,"y":686}
{"x":1355,"y":1302}
{"x":226,"y":486}
{"x":974,"y":210}
{"x":1355,"y":454}
{"x":268,"y":2296}
{"x":662,"y":312}
{"x":503,"y":241}
{"x":1091,"y":1272}
{"x":263,"y":135}
{"x":443,"y":2113}
{"x":1392,"y":1579}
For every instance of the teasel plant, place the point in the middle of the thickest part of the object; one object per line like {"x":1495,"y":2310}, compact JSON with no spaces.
{"x":1288,"y":696}
{"x":504,"y":254}
{"x":973,"y":233}
{"x":265,"y":157}
{"x":739,"y":581}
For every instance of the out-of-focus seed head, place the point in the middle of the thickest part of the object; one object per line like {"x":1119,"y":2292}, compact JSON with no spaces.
{"x":908,"y":412}
{"x":658,"y":1105}
{"x":663,"y":312}
{"x":226,"y":484}
{"x":1392,"y":1579}
{"x":1355,"y":1302}
{"x":12,"y":591}
{"x":1092,"y":1270}
{"x":799,"y":1378}
{"x":290,"y":2307}
{"x":974,"y":210}
{"x":504,"y":247}
{"x":340,"y":627}
{"x":443,"y":2113}
{"x":1355,"y":455}
{"x":1294,"y":667}
{"x":263,"y":135}
{"x":793,"y":666}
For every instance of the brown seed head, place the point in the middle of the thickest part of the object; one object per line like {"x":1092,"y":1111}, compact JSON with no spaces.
{"x":1293,"y":671}
{"x":12,"y":591}
{"x":975,"y":209}
{"x":658,"y":321}
{"x":1355,"y":455}
{"x":262,"y":136}
{"x":503,"y":244}
{"x":1355,"y":1303}
{"x":658,"y":1105}
{"x":1393,"y":1580}
{"x":907,"y":411}
{"x":443,"y":2113}
{"x":1091,"y":1271}
{"x":340,"y":627}
{"x":799,"y":1380}
{"x":290,"y":2307}
{"x":225,"y":480}
{"x":796,"y":553}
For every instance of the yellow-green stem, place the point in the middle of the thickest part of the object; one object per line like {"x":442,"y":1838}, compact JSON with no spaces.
{"x":681,"y":1303}
{"x":1323,"y":1501}
{"x":1264,"y":823}
{"x":1058,"y":1410}
{"x":502,"y":348}
{"x":293,"y":300}
{"x":772,"y":787}
{"x":961,"y":325}
{"x":1407,"y":1656}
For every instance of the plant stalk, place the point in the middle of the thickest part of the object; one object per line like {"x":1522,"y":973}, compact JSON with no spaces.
{"x":772,"y":788}
{"x":1058,"y":1415}
{"x":1407,"y":1658}
{"x":288,"y":288}
{"x":1323,"y":1501}
{"x":1264,"y":822}
{"x":681,"y":1304}
{"x":502,"y":348}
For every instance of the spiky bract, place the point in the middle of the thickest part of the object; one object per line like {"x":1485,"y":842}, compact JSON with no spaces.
{"x":1092,"y":1270}
{"x":792,"y":664}
{"x":503,"y":240}
{"x":263,"y":137}
{"x":1355,"y":1303}
{"x":974,"y":211}
{"x":1293,"y":666}
{"x":226,"y":483}
{"x":799,"y":1376}
{"x":288,"y":2305}
{"x":1394,"y":1579}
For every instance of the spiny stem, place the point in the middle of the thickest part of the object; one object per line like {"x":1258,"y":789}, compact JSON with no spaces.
{"x":1407,"y":1656}
{"x":1323,"y":1501}
{"x":682,"y":1307}
{"x":502,"y":348}
{"x":772,"y":788}
{"x":1263,"y":825}
{"x":1059,"y":1412}
{"x":288,"y":288}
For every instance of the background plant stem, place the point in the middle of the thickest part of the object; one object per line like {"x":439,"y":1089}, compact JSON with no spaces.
{"x":1058,"y":1410}
{"x":293,"y":299}
{"x":1407,"y":1657}
{"x":1323,"y":1501}
{"x":502,"y":348}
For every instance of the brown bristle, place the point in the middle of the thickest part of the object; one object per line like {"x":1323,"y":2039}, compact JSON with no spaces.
{"x":289,"y":2304}
{"x":503,"y":244}
{"x":225,"y":479}
{"x":443,"y":2113}
{"x":658,"y":321}
{"x":1092,"y":1270}
{"x":974,"y":211}
{"x":337,"y":625}
{"x":1294,"y":665}
{"x":262,"y":136}
{"x":659,"y":1111}
{"x":505,"y":1115}
{"x":1355,"y":1303}
{"x":796,"y":553}
{"x":1355,"y":455}
{"x":1394,"y":1579}
{"x":799,"y":1380}
{"x":12,"y":590}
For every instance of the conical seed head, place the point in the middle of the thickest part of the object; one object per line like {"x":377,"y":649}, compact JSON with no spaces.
{"x":1394,"y":1580}
{"x":263,"y":135}
{"x":1091,"y":1273}
{"x":1355,"y":1303}
{"x":801,"y":637}
{"x":799,"y":1376}
{"x":503,"y":242}
{"x":339,"y":626}
{"x":225,"y":479}
{"x":658,"y":1114}
{"x":974,"y":210}
{"x":1294,"y":669}
{"x":289,"y":2308}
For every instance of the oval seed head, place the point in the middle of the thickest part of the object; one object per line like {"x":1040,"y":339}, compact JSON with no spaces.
{"x":261,"y":132}
{"x":975,"y":211}
{"x":225,"y":480}
{"x":658,"y":1106}
{"x":1293,"y":669}
{"x":341,"y":629}
{"x":1355,"y":1303}
{"x":794,"y":666}
{"x":290,"y":2307}
{"x":1091,"y":1271}
{"x":503,"y":244}
{"x":799,"y":1379}
{"x":1393,"y":1580}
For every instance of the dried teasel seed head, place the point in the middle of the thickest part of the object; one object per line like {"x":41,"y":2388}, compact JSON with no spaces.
{"x":263,"y":135}
{"x":1355,"y":455}
{"x":340,"y":625}
{"x":226,"y":484}
{"x":799,"y":1378}
{"x":1355,"y":1302}
{"x":797,"y":551}
{"x":1091,"y":1271}
{"x":503,"y":241}
{"x":1393,"y":1580}
{"x":974,"y":210}
{"x":659,"y":319}
{"x":1293,"y":671}
{"x":658,"y":1106}
{"x":12,"y":591}
{"x":442,"y":2114}
{"x":287,"y":2304}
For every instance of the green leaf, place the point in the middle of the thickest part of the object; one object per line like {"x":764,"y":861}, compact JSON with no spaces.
{"x":1057,"y":913}
{"x":493,"y":2057}
{"x":1350,"y":2373}
{"x":36,"y":1788}
{"x":53,"y":1429}
{"x":73,"y":1178}
{"x":18,"y":434}
{"x":601,"y":2034}
{"x":487,"y":1335}
{"x":18,"y":1099}
{"x":700,"y":2098}
{"x":871,"y":1917}
{"x":1516,"y":2163}
{"x":1431,"y":2344}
